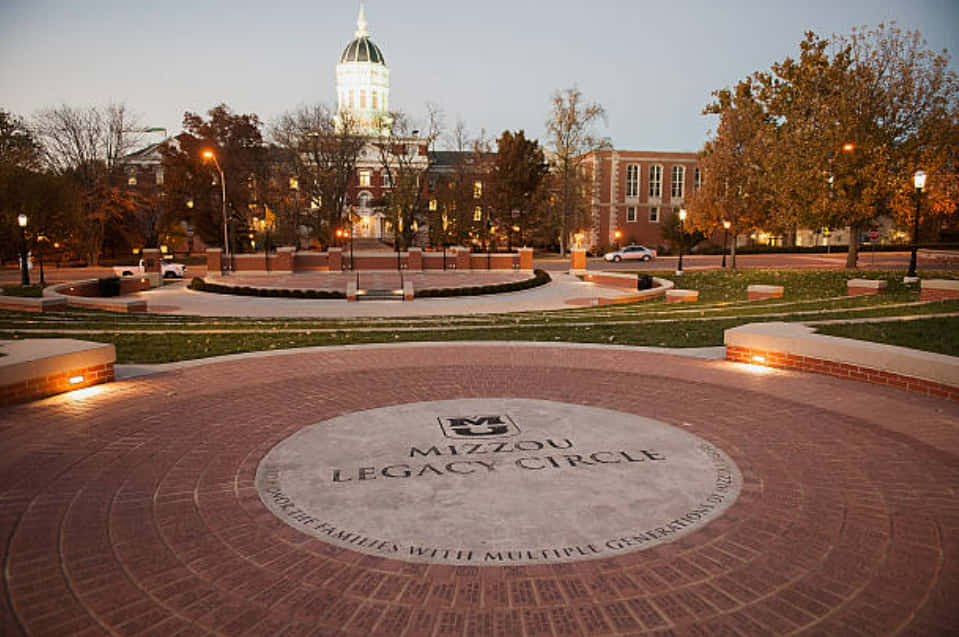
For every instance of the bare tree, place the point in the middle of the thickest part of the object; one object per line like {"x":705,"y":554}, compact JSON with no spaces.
{"x":406,"y":157}
{"x":570,"y":127}
{"x":324,"y":149}
{"x":87,"y":145}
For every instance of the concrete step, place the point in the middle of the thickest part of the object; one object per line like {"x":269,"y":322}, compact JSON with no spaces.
{"x":379,"y":295}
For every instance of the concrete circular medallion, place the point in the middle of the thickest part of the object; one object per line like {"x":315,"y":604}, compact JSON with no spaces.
{"x":496,"y":481}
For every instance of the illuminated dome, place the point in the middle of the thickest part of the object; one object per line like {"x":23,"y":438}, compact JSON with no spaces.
{"x":362,"y":50}
{"x":363,"y":83}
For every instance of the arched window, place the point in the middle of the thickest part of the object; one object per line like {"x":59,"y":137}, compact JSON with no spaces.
{"x":365,"y":199}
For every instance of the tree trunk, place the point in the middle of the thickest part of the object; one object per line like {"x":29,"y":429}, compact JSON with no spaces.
{"x":852,"y":257}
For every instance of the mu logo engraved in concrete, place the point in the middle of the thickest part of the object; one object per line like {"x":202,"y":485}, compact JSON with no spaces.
{"x":496,"y":426}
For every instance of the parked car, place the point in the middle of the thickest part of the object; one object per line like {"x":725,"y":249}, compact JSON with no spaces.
{"x":641,"y":253}
{"x":168,"y":269}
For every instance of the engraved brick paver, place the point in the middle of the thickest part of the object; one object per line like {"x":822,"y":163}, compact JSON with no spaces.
{"x":132,"y":510}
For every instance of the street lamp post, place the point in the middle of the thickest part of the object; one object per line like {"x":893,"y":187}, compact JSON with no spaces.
{"x":919,"y":181}
{"x":226,"y":264}
{"x":726,"y":226}
{"x":24,"y":260}
{"x":40,"y":239}
{"x":682,"y":234}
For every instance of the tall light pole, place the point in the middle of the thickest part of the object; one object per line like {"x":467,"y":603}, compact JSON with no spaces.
{"x":225,"y":265}
{"x":682,"y":235}
{"x":24,"y":260}
{"x":726,"y":226}
{"x":919,"y":181}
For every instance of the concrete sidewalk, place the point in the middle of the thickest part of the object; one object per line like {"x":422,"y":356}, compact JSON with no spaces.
{"x":562,"y":292}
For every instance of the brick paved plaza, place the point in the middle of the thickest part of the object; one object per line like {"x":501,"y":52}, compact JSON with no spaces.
{"x":131,"y":509}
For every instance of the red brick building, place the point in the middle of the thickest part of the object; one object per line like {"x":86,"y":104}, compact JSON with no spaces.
{"x":636,"y":192}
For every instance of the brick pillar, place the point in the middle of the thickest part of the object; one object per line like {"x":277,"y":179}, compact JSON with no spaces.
{"x":283,"y":261}
{"x":577,"y":260}
{"x":414,"y":260}
{"x":336,"y":259}
{"x":151,"y":265}
{"x":462,"y":258}
{"x":526,"y":259}
{"x":214,"y":261}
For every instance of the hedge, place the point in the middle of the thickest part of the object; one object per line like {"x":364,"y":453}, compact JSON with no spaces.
{"x":200,"y":285}
{"x":540,"y":278}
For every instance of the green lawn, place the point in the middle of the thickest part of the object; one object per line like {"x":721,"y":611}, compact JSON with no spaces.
{"x":810,"y":296}
{"x":33,"y":291}
{"x":939,"y":334}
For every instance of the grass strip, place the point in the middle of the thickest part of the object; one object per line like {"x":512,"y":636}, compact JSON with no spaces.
{"x":937,"y":334}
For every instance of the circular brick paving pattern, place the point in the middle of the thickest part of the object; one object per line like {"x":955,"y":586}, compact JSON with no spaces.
{"x":133,"y":509}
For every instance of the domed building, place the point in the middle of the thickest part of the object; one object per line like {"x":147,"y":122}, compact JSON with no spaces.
{"x":363,"y":82}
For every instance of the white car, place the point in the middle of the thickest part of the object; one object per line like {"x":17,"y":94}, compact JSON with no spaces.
{"x":168,"y":269}
{"x":634,"y":252}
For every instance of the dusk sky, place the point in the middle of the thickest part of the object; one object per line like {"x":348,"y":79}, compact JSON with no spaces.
{"x":493,"y":64}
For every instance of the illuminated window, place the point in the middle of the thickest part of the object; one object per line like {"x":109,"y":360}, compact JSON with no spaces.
{"x":656,"y":181}
{"x":477,"y":189}
{"x":374,"y":95}
{"x":678,"y":182}
{"x":432,"y":205}
{"x":654,"y":215}
{"x":478,"y":213}
{"x":365,"y":178}
{"x":362,"y":99}
{"x":294,"y":183}
{"x":387,"y":179}
{"x":632,"y":181}
{"x":159,"y":176}
{"x":316,"y":202}
{"x":631,"y":215}
{"x":697,"y":178}
{"x":132,"y":180}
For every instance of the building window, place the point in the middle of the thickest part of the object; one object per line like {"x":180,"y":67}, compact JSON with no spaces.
{"x":656,"y":181}
{"x":478,"y":213}
{"x":654,"y":215}
{"x":316,"y":202}
{"x":362,"y":99}
{"x":477,"y":189}
{"x":387,"y":179}
{"x":364,"y":179}
{"x":632,"y":180}
{"x":697,"y":178}
{"x":678,"y":182}
{"x":294,"y":183}
{"x":432,"y":205}
{"x":352,"y":103}
{"x":374,"y":95}
{"x":132,"y":180}
{"x":631,"y":215}
{"x":364,"y":200}
{"x":159,"y":176}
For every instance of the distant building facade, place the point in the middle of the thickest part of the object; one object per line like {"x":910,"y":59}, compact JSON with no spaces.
{"x":634,"y":193}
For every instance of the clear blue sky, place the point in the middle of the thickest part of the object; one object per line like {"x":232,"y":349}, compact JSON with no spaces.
{"x":492,"y":63}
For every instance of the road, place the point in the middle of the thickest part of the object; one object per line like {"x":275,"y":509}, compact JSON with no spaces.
{"x":867,"y":261}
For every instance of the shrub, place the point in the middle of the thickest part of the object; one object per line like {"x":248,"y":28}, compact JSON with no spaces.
{"x":540,"y":278}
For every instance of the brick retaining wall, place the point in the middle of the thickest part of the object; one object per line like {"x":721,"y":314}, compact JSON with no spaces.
{"x":784,"y":360}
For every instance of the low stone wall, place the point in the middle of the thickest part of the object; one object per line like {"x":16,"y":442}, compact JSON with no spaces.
{"x":29,"y":304}
{"x":287,"y":260}
{"x":36,"y":368}
{"x":761,"y":292}
{"x":83,"y":294}
{"x":939,"y":289}
{"x":863,"y":287}
{"x":798,"y":347}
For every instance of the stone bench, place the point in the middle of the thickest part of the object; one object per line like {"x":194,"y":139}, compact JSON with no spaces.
{"x":682,"y":296}
{"x":36,"y":368}
{"x":759,"y":292}
{"x":860,"y":287}
{"x":939,"y":289}
{"x":29,"y":304}
{"x":408,"y":290}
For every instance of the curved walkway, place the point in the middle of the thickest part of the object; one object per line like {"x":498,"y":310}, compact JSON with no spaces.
{"x":132,"y":509}
{"x":558,"y":294}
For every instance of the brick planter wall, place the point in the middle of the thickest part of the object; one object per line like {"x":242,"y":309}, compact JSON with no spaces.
{"x":41,"y":387}
{"x":783,"y":360}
